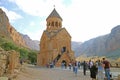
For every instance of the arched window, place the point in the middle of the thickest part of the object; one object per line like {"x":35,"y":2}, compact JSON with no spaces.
{"x":56,"y":24}
{"x":63,"y":49}
{"x":52,"y":23}
{"x":49,"y":24}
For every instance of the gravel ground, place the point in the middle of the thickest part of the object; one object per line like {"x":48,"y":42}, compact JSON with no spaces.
{"x":36,"y":73}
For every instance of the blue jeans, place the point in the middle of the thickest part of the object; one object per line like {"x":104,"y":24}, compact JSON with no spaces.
{"x":107,"y":73}
{"x":75,"y":70}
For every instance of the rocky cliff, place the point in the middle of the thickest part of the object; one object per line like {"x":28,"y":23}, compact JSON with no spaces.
{"x":4,"y":24}
{"x":8,"y":31}
{"x":75,"y":46}
{"x":108,"y":45}
{"x":33,"y":44}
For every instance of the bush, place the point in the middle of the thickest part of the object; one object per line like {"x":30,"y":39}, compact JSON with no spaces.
{"x":32,"y":56}
{"x":25,"y":53}
{"x":9,"y":46}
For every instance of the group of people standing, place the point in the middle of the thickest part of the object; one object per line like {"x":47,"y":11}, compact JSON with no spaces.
{"x":96,"y":68}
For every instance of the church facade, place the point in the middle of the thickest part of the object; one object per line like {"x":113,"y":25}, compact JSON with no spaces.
{"x":55,"y":43}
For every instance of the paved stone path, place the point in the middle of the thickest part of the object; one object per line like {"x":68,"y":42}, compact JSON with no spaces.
{"x":37,"y":73}
{"x":34,"y":73}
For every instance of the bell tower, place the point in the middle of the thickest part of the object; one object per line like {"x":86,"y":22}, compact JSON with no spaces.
{"x":54,"y":21}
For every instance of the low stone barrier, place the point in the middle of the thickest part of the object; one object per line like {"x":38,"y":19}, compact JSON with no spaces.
{"x":9,"y":64}
{"x":3,"y":61}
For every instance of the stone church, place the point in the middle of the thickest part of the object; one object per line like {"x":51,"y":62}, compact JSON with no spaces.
{"x":55,"y":43}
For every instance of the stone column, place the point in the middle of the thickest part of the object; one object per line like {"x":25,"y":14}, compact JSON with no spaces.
{"x":13,"y":60}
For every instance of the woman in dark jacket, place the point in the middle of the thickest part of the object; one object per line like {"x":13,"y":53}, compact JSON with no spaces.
{"x":94,"y":71}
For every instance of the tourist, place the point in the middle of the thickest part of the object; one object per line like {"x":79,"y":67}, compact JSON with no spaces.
{"x":100,"y":75}
{"x":84,"y":67}
{"x":65,"y":64}
{"x":62,"y":65}
{"x":76,"y":68}
{"x":51,"y":65}
{"x":21,"y":62}
{"x":90,"y":64}
{"x":79,"y":64}
{"x":73,"y":65}
{"x":94,"y":70}
{"x":70,"y":65}
{"x":106,"y":65}
{"x":47,"y":65}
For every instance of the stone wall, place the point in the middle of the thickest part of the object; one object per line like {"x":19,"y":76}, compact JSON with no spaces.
{"x":9,"y":61}
{"x":3,"y":61}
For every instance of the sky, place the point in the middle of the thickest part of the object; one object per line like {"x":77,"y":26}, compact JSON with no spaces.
{"x":83,"y":19}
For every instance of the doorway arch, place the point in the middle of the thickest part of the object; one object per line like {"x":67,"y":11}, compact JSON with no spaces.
{"x":64,"y":63}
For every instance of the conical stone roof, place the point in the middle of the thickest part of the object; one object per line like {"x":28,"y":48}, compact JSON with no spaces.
{"x":54,"y":13}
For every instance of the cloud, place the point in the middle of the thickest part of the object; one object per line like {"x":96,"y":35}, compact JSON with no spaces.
{"x":35,"y":35}
{"x":33,"y":7}
{"x":84,"y":19}
{"x":11,"y":15}
{"x":38,"y":7}
{"x":32,"y":23}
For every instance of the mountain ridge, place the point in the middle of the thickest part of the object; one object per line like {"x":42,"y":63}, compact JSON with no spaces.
{"x":105,"y":45}
{"x":33,"y":44}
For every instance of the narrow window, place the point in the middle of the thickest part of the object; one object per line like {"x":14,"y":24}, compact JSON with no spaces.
{"x":52,"y":23}
{"x":56,"y":24}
